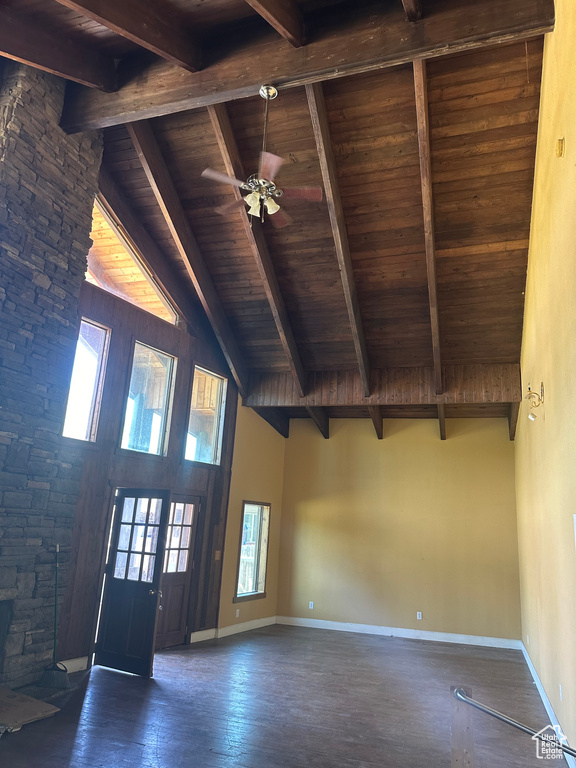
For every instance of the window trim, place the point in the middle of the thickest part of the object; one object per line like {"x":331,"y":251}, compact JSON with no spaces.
{"x":252,"y":595}
{"x":98,"y":393}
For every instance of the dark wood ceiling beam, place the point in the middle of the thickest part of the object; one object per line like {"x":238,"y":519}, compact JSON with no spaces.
{"x":391,"y":386}
{"x":255,"y":236}
{"x":277,"y":419}
{"x":128,"y":228}
{"x":442,"y":420}
{"x":377,"y":420}
{"x":284,"y":16}
{"x":513,"y":419}
{"x":320,"y":418}
{"x":52,"y":52}
{"x":167,"y":197}
{"x":348,"y":41}
{"x":412,"y":9}
{"x":421,"y":93}
{"x":148,"y":24}
{"x":317,"y":106}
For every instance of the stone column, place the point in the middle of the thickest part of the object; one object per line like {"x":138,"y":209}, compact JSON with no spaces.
{"x":47,"y":185}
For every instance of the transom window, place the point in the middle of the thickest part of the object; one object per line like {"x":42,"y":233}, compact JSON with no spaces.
{"x":253,"y":550}
{"x":149,"y":400}
{"x":204,"y":439}
{"x":83,"y":407}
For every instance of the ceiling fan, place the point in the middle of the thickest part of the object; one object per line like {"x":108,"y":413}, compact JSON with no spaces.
{"x":263,"y":193}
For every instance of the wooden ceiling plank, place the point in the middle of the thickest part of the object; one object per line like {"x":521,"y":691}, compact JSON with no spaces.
{"x":464,"y":384}
{"x":127,"y":226}
{"x":442,"y":420}
{"x":257,"y":243}
{"x":513,"y":419}
{"x":320,"y":418}
{"x":377,"y":419}
{"x":277,"y":419}
{"x":317,"y":106}
{"x":421,"y":94}
{"x":167,"y":197}
{"x":148,"y":24}
{"x":52,"y":52}
{"x":371,"y":38}
{"x":412,"y":9}
{"x":284,"y":16}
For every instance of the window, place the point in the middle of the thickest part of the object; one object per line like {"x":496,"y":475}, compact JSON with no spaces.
{"x":149,"y":400}
{"x":83,"y":408}
{"x":204,"y":439}
{"x":178,"y":538}
{"x":253,"y":550}
{"x":138,"y":539}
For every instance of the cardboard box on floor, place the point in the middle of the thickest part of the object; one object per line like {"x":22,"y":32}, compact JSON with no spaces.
{"x":17,"y":709}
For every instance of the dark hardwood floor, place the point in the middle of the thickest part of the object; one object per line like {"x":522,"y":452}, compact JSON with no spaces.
{"x":289,"y":697}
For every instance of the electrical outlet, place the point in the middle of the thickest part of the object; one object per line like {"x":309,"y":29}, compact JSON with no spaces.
{"x":419,"y":615}
{"x":311,"y":605}
{"x":237,"y":612}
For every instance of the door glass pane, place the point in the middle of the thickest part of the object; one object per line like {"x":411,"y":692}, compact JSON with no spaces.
{"x":138,"y":538}
{"x":148,"y":400}
{"x":128,"y":510}
{"x":124,"y":539}
{"x":134,"y":567}
{"x":141,"y":511}
{"x":155,"y":509}
{"x":204,"y":439}
{"x":188,"y":514}
{"x":148,"y":568}
{"x":151,"y":539}
{"x":120,"y":567}
{"x":178,"y":513}
{"x":85,"y":393}
{"x":175,"y":538}
{"x":185,"y":543}
{"x":183,"y":560}
{"x":172,"y":561}
{"x":179,"y":538}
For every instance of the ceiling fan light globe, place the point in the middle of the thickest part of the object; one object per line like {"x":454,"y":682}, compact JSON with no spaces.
{"x":271,"y":205}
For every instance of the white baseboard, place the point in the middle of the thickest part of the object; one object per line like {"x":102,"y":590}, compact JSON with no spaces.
{"x":76,"y":665}
{"x":204,"y":634}
{"x":411,"y":634}
{"x":545,"y":700}
{"x":246,"y":626}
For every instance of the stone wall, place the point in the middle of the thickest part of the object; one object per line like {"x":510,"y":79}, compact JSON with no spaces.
{"x":47,"y":185}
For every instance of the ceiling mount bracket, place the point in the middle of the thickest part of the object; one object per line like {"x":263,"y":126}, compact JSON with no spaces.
{"x":268,"y":92}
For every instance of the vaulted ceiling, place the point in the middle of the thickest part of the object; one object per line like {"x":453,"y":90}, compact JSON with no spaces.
{"x":402,"y":293}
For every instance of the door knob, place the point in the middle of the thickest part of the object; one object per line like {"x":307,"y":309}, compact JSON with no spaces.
{"x":152,"y":592}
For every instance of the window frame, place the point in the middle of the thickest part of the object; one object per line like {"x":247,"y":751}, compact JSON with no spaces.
{"x":252,"y":595}
{"x":98,"y":392}
{"x":221,"y":417}
{"x":169,"y":405}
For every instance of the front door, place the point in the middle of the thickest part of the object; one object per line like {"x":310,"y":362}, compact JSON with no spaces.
{"x":177,"y":576}
{"x":131,"y":591}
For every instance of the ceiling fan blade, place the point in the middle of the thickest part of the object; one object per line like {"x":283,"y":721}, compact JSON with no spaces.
{"x":280,"y":219}
{"x":223,"y":210}
{"x":313,"y":194}
{"x":210,"y":173}
{"x":269,"y":165}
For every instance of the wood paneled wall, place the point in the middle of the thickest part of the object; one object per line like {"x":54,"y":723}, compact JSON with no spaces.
{"x":106,"y":466}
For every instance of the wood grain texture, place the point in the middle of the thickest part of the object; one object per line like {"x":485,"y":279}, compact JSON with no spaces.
{"x":442,"y":420}
{"x":348,"y":41}
{"x":53,"y":52}
{"x":257,"y":242}
{"x":167,"y":197}
{"x":412,"y":9}
{"x":513,"y":419}
{"x":317,"y":105}
{"x":377,"y":420}
{"x":421,"y":93}
{"x":284,"y":16}
{"x":277,"y":418}
{"x":472,"y":384}
{"x":320,"y":418}
{"x":150,"y":25}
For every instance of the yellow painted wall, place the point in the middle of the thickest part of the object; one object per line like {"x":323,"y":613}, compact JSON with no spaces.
{"x":546,"y":448}
{"x":257,"y":470}
{"x":375,"y":530}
